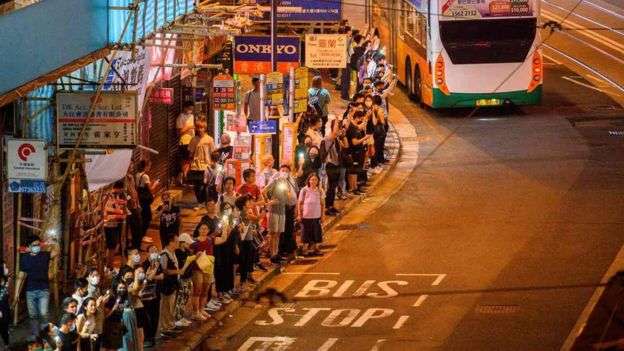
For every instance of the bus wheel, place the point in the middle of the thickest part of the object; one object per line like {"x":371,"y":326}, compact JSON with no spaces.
{"x":417,"y":85}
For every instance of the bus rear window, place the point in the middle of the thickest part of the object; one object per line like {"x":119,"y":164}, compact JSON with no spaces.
{"x":488,"y":41}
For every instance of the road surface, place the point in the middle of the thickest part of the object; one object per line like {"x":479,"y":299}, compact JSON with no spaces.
{"x":495,"y":241}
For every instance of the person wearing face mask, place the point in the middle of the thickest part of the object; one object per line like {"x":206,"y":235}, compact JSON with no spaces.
{"x":93,"y":277}
{"x":81,"y":291}
{"x":86,"y":324}
{"x":114,"y":329}
{"x":5,"y":310}
{"x":133,"y":332}
{"x":311,"y":165}
{"x":278,"y":194}
{"x":314,"y":131}
{"x":150,"y":295}
{"x":66,"y":334}
{"x":287,"y":242}
{"x":34,"y":264}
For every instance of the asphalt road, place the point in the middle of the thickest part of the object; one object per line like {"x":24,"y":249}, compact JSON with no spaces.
{"x":494,"y":242}
{"x":592,"y":42}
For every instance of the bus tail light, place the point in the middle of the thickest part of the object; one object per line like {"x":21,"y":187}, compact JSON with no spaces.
{"x":537,"y":71}
{"x":440,"y":77}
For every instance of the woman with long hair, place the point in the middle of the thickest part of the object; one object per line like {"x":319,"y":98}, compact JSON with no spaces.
{"x":86,"y":325}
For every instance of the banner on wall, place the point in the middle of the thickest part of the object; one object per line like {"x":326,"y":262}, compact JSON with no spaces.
{"x":326,"y":50}
{"x":113,"y":123}
{"x":252,"y":54}
{"x":223,"y":93}
{"x":304,"y":11}
{"x":288,"y":143}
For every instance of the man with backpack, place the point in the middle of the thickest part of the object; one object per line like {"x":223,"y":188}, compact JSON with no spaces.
{"x":319,"y":98}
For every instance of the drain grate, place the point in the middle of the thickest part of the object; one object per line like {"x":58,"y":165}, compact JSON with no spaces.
{"x":497,"y":309}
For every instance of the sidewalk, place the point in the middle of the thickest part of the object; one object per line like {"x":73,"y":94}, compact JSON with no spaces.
{"x":193,"y":337}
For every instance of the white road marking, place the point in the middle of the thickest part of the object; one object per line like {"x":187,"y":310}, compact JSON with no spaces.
{"x":614,"y":45}
{"x":420,"y":300}
{"x":377,"y":344}
{"x":328,"y":344}
{"x":585,"y":18}
{"x":400,"y":322}
{"x":437,"y":281}
{"x":584,"y":85}
{"x":617,"y":265}
{"x":362,"y":289}
{"x":604,"y":9}
{"x":343,"y":288}
{"x":276,"y":343}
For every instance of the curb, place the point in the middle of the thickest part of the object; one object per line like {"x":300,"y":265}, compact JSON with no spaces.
{"x":192,"y":339}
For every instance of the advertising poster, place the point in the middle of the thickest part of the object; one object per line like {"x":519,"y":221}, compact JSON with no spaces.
{"x":252,"y":54}
{"x":302,"y":84}
{"x":303,"y":10}
{"x":274,"y":89}
{"x":326,"y":50}
{"x":288,"y":143}
{"x":113,"y":123}
{"x":474,"y":9}
{"x":262,"y":146}
{"x":223,"y":93}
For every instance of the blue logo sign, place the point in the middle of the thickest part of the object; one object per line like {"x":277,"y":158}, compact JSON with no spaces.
{"x":27,"y":186}
{"x":258,"y":48}
{"x":262,"y":127}
{"x":306,"y":11}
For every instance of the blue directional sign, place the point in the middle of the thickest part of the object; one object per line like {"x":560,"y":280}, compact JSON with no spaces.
{"x":262,"y":127}
{"x":27,"y":186}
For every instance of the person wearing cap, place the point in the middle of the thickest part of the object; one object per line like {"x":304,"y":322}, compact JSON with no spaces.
{"x":183,"y":254}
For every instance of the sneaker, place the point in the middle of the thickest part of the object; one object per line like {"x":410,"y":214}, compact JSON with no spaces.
{"x":212,"y":306}
{"x":180,"y":324}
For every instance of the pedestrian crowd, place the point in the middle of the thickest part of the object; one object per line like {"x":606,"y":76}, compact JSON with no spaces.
{"x":272,"y":216}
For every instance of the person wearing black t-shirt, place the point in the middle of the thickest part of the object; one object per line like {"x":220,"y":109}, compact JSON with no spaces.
{"x":35,"y":264}
{"x":169,"y":218}
{"x":357,"y":137}
{"x":66,"y":334}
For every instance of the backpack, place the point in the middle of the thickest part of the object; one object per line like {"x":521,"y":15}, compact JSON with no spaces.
{"x":315,"y":102}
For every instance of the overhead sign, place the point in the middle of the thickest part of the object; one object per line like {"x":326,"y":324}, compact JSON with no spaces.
{"x":27,"y":159}
{"x":274,"y":89}
{"x":252,"y":54}
{"x":27,"y":186}
{"x":304,"y":11}
{"x":262,"y":127}
{"x":326,"y":50}
{"x":474,"y":9}
{"x":113,"y":123}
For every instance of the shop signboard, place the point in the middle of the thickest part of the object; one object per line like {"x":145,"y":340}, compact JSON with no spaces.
{"x":223,"y":93}
{"x":113,"y":122}
{"x":268,"y":126}
{"x":27,"y":186}
{"x":27,"y":159}
{"x":304,"y":11}
{"x":326,"y":50}
{"x":475,"y":9}
{"x":302,"y":84}
{"x":252,"y":54}
{"x":274,"y":84}
{"x":162,"y":96}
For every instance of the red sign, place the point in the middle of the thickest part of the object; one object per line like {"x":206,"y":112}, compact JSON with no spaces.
{"x":162,"y":96}
{"x":264,"y":67}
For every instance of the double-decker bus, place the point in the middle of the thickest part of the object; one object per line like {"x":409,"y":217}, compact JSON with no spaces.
{"x":463,"y":53}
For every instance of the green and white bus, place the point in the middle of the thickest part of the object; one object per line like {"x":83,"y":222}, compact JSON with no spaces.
{"x":463,"y":53}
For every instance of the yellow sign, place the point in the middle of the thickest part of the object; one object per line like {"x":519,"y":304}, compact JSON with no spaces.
{"x":275,"y":88}
{"x":288,"y":143}
{"x":262,"y":146}
{"x":302,"y":84}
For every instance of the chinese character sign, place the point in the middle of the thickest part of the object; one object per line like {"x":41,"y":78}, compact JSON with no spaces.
{"x":113,"y":122}
{"x":27,"y":159}
{"x":302,"y":84}
{"x":326,"y":50}
{"x":274,"y":89}
{"x":223,"y":93}
{"x":472,"y":9}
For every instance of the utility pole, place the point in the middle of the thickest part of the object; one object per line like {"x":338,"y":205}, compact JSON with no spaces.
{"x":274,"y":4}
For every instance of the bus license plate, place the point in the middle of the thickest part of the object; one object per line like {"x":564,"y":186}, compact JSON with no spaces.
{"x":489,"y":102}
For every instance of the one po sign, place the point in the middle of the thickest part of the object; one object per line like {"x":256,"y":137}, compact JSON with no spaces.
{"x":27,"y":159}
